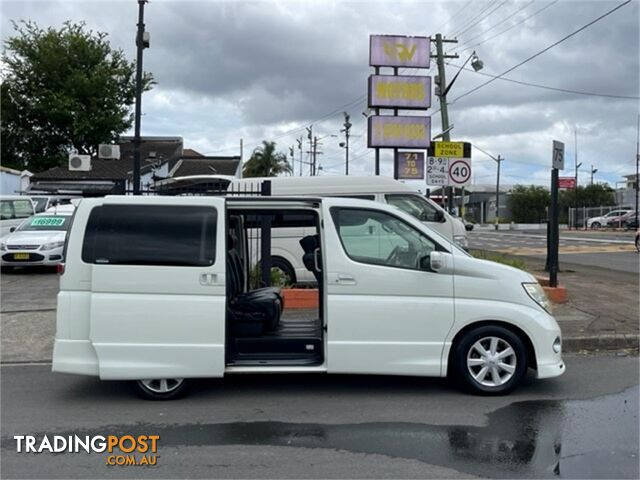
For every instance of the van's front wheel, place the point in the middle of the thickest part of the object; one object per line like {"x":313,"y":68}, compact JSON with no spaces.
{"x":490,"y":360}
{"x":161,"y":388}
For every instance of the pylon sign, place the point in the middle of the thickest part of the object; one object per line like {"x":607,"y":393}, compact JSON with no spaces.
{"x":399,"y":91}
{"x":386,"y":131}
{"x":399,"y":51}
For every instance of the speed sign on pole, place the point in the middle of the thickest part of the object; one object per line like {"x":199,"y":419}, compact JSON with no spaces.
{"x":459,"y":172}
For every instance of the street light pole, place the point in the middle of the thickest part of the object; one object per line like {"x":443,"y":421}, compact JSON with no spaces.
{"x":140,"y":44}
{"x":346,"y":130}
{"x":498,"y":160}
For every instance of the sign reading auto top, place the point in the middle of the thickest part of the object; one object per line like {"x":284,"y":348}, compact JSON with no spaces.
{"x":399,"y":132}
{"x":407,"y":92}
{"x":399,"y":51}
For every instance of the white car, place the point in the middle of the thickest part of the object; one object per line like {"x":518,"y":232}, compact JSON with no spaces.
{"x":39,"y":240}
{"x":156,"y":290}
{"x":13,"y":210}
{"x":598,"y":222}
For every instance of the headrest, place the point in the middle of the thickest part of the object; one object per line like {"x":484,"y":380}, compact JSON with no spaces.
{"x":310,"y":243}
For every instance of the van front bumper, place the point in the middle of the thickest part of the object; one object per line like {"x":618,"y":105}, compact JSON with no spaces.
{"x":551,"y":370}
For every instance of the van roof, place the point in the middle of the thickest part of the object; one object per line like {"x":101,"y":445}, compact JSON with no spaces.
{"x":14,"y":197}
{"x":329,"y":184}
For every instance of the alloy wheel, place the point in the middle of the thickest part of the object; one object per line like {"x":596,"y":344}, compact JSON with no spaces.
{"x":162,"y":385}
{"x":491,"y":361}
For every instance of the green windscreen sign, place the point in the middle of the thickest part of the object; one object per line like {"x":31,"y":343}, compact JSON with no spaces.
{"x":47,"y":221}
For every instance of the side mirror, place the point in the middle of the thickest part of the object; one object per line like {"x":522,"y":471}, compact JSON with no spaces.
{"x":12,"y":229}
{"x":439,"y":216}
{"x":434,"y":262}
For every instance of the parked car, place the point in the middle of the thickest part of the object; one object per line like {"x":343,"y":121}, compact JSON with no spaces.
{"x":13,"y":210}
{"x":632,"y":223}
{"x":154,"y":290}
{"x":39,"y":240}
{"x":598,"y":222}
{"x":620,"y":221}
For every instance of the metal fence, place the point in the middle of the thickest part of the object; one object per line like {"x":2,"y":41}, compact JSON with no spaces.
{"x":578,"y":217}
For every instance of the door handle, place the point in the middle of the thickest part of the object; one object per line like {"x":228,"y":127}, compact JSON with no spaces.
{"x":345,"y":279}
{"x":209,"y":279}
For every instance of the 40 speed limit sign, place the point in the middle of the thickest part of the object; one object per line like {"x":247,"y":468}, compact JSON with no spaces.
{"x":446,"y":171}
{"x":459,"y":171}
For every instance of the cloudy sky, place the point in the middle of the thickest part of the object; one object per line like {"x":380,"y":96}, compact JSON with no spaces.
{"x":258,"y":70}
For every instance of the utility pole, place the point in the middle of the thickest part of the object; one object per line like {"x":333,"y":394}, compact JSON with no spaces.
{"x":299,"y":141}
{"x":637,"y":167}
{"x":142,"y":41}
{"x":593,"y":171}
{"x":578,"y":165}
{"x":310,"y":137}
{"x":293,"y":165}
{"x":346,"y":130}
{"x":498,"y":160}
{"x":240,"y":169}
{"x":442,"y":95}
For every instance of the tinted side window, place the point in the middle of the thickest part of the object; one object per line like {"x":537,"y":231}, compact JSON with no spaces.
{"x":375,"y":237}
{"x":150,"y":235}
{"x":415,"y":206}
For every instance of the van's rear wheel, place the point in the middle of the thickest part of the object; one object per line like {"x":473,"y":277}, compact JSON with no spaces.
{"x":161,"y":388}
{"x":490,"y":360}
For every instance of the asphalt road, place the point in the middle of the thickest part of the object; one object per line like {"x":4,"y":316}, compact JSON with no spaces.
{"x":581,"y":425}
{"x":614,"y":251}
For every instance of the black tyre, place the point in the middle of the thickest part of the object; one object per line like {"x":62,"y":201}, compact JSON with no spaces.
{"x":490,"y":360}
{"x":286,"y":268}
{"x":161,"y":388}
{"x":595,"y":225}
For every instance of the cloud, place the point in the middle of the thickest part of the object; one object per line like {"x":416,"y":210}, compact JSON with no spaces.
{"x":265,"y":69}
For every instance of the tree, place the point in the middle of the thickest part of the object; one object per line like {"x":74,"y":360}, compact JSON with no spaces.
{"x":266,"y":162}
{"x":63,"y":89}
{"x":528,"y":203}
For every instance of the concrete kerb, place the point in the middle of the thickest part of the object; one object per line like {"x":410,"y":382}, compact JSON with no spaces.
{"x":605,"y":342}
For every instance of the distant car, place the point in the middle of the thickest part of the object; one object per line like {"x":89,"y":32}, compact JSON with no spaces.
{"x":13,"y":210}
{"x":598,"y":222}
{"x":621,"y":220}
{"x":39,"y":240}
{"x":632,"y":224}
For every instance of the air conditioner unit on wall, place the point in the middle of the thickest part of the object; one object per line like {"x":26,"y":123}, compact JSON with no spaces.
{"x":108,"y":151}
{"x":80,"y":163}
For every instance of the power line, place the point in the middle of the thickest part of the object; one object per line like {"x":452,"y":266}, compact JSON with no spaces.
{"x":472,"y":19}
{"x":511,"y":27}
{"x":468,"y":41}
{"x":481,"y":19}
{"x":546,"y":49}
{"x":548,"y":87}
{"x":453,"y":16}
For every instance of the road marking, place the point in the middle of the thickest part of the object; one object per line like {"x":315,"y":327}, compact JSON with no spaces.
{"x":42,"y":363}
{"x":569,"y":239}
{"x":568,"y":249}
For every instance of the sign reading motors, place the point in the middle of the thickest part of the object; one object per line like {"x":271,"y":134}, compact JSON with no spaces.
{"x":399,"y":132}
{"x":406,"y":92}
{"x":399,"y":51}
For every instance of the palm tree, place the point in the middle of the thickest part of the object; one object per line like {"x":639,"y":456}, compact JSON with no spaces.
{"x":266,"y":162}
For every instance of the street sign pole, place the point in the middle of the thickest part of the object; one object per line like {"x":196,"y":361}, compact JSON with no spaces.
{"x":554,"y":234}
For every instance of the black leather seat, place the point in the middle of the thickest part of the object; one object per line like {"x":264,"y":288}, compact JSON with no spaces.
{"x":310,"y":244}
{"x":250,"y":313}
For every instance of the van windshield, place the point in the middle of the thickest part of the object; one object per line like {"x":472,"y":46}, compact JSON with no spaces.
{"x":49,"y":222}
{"x":415,"y":206}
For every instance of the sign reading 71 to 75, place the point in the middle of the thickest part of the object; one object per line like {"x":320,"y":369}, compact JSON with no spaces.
{"x":410,"y":165}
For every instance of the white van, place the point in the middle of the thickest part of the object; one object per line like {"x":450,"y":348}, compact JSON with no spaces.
{"x":155,"y":290}
{"x":13,"y":210}
{"x":286,"y":252}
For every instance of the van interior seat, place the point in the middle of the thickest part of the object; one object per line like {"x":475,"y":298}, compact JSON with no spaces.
{"x":254,"y":312}
{"x":309,"y":245}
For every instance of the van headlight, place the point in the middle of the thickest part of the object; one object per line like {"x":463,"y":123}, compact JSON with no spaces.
{"x":461,"y":240}
{"x":536,"y":293}
{"x":52,"y":245}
